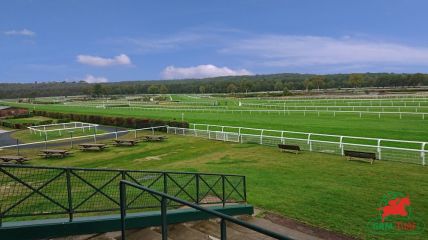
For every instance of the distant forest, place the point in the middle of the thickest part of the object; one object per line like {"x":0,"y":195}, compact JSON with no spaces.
{"x":237,"y":84}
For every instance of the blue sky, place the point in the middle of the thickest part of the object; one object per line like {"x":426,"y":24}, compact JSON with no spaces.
{"x":100,"y":41}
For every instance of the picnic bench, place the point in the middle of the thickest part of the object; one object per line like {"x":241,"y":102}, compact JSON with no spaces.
{"x":289,"y":148}
{"x":17,"y":159}
{"x":92,"y":146}
{"x":154,"y":138}
{"x":126,"y":142}
{"x":360,"y":155}
{"x":54,"y":153}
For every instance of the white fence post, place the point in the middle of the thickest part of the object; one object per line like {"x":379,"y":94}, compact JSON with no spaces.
{"x":379,"y":149}
{"x":95,"y":134}
{"x":261,"y":137}
{"x":239,"y":135}
{"x":282,"y":137}
{"x":423,"y":154}
{"x":341,"y":146}
{"x":309,"y":141}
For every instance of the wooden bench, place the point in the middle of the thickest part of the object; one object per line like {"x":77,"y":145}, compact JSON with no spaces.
{"x":289,"y":148}
{"x":126,"y":142}
{"x":17,"y":159}
{"x":93,"y":146}
{"x":154,"y":138}
{"x":54,"y":153}
{"x":360,"y":155}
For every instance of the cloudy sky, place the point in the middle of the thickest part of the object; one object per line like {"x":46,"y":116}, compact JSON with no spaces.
{"x":103,"y":40}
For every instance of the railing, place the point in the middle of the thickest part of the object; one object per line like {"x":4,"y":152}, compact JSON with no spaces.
{"x":29,"y":191}
{"x":164,"y":199}
{"x":385,"y":149}
{"x":91,"y":136}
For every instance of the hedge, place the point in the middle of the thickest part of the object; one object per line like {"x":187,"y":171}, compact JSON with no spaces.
{"x":9,"y":124}
{"x":129,"y":122}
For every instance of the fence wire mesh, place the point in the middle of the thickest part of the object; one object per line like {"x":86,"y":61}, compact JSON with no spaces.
{"x":27,"y":191}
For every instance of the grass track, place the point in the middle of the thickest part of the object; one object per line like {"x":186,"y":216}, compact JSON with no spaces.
{"x":319,"y":189}
{"x":408,"y":128}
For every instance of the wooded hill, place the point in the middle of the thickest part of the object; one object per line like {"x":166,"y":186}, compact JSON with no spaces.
{"x":235,"y":84}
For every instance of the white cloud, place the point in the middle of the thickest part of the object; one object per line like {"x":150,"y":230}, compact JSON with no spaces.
{"x":301,"y":51}
{"x":188,"y":38}
{"x":23,"y":32}
{"x":201,"y":71}
{"x":121,"y":59}
{"x":92,"y":79}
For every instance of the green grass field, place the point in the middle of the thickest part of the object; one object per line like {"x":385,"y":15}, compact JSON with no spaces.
{"x":25,"y":136}
{"x":319,"y":189}
{"x":408,"y":128}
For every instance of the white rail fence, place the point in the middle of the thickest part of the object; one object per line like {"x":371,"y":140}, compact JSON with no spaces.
{"x":90,"y":137}
{"x":278,"y":112}
{"x":60,"y":127}
{"x":408,"y":151}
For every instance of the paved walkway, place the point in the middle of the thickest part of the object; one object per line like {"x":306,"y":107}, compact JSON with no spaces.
{"x":6,"y":139}
{"x":3,"y":131}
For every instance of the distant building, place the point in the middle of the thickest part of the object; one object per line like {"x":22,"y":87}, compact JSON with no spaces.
{"x":6,"y":111}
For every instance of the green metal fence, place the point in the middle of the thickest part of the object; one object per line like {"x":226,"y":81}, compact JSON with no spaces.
{"x":38,"y":192}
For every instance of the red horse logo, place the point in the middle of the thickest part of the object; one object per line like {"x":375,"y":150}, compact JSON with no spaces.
{"x":395,"y":207}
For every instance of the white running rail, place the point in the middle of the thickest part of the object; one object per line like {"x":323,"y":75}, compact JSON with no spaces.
{"x":385,"y":149}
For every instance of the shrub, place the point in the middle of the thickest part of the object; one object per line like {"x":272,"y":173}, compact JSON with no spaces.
{"x":128,"y":122}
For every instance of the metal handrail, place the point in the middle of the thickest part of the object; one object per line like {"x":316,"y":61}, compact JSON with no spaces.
{"x":233,"y":188}
{"x":164,"y":206}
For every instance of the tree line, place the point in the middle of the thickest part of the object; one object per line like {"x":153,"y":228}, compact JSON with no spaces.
{"x":234,"y":84}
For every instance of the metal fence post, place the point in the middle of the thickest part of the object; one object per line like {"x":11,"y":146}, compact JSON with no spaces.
{"x":164,"y":205}
{"x":341,"y":145}
{"x":46,"y":141}
{"x":123,"y":208}
{"x":223,"y":233}
{"x":116,"y":133}
{"x":379,"y":149}
{"x":17,"y":146}
{"x":223,"y":188}
{"x":1,"y":216}
{"x":261,"y":137}
{"x":165,"y":185}
{"x":69,"y":196}
{"x":423,"y":154}
{"x":245,"y":188}
{"x":197,"y":188}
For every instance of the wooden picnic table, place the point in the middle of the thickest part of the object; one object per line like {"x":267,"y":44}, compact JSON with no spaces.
{"x":154,"y":138}
{"x":54,"y":153}
{"x":92,"y":146}
{"x":17,"y":159}
{"x":126,"y":142}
